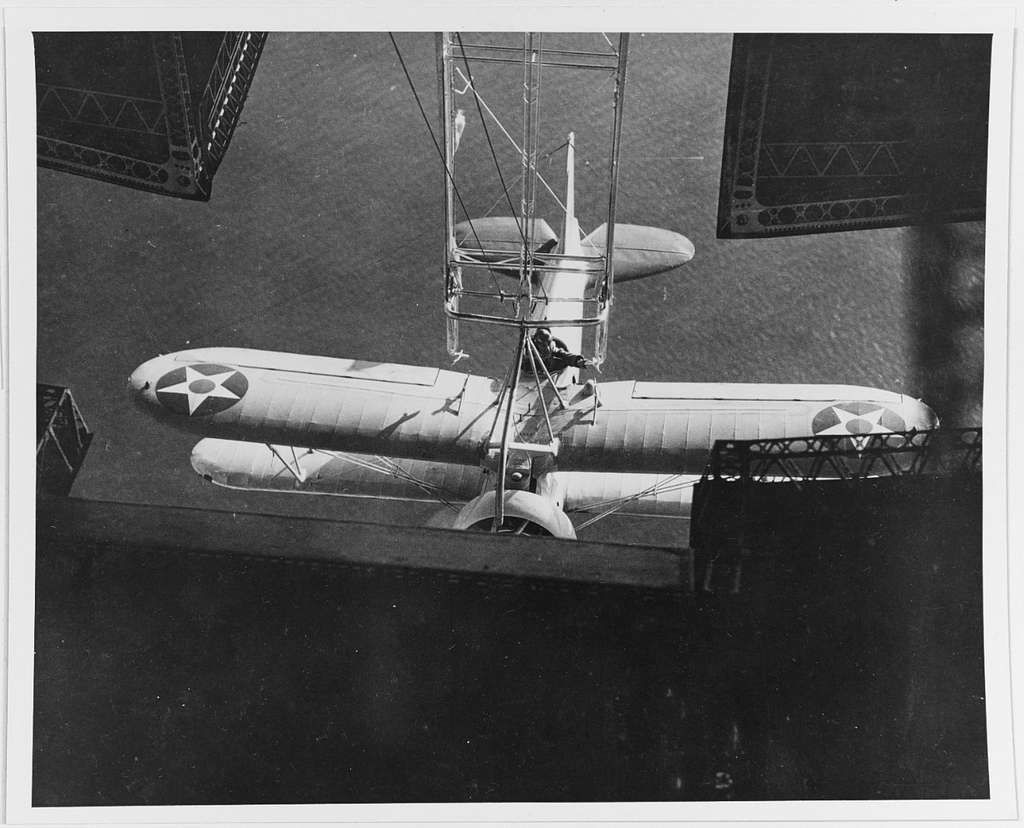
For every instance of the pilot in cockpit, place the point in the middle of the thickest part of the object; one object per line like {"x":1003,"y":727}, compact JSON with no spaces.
{"x":553,"y":353}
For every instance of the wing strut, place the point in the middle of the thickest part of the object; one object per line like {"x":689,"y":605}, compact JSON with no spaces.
{"x":499,"y":500}
{"x":294,"y":467}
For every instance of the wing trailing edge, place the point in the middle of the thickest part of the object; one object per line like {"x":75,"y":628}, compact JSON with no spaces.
{"x":499,"y":237}
{"x":641,"y":251}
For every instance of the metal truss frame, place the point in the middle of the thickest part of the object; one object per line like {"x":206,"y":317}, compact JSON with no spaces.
{"x":855,"y":457}
{"x":462,"y":262}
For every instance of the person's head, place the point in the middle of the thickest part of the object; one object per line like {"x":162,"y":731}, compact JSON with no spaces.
{"x":543,"y":334}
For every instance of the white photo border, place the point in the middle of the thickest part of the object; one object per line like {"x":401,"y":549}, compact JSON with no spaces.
{"x":999,"y":572}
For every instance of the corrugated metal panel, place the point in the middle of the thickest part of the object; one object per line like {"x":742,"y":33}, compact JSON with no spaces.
{"x":698,"y":428}
{"x":279,"y":404}
{"x":723,"y":425}
{"x":747,"y":425}
{"x":770,"y":423}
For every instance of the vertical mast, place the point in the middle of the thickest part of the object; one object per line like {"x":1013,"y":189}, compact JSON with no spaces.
{"x":531,"y":127}
{"x":613,"y":166}
{"x":444,"y":99}
{"x":607,"y":288}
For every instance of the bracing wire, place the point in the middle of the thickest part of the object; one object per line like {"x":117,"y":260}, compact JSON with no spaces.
{"x":440,"y":152}
{"x":505,"y":132}
{"x":487,"y":134}
{"x":404,"y":474}
{"x":534,"y":355}
{"x":490,"y":144}
{"x":675,"y":483}
{"x":389,"y":467}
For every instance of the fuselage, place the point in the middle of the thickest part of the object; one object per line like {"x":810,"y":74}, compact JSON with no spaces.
{"x":433,"y":414}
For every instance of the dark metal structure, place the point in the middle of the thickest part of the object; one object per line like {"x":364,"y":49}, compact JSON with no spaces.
{"x":849,"y":570}
{"x":62,"y":439}
{"x":148,"y":110}
{"x":830,"y":132}
{"x":838,"y":457}
{"x":760,"y":498}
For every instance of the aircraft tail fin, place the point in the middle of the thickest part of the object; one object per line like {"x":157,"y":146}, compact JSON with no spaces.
{"x":570,"y":225}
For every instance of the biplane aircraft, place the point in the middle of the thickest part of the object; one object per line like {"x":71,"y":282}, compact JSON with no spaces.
{"x":522,"y":453}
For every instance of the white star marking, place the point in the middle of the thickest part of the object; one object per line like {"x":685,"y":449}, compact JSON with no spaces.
{"x":873,"y":417}
{"x":196,"y":399}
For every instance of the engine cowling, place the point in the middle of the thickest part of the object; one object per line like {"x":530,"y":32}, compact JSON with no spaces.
{"x":526,"y":513}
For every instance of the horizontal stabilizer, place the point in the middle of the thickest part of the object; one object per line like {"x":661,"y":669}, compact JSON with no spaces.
{"x":640,"y":251}
{"x":502,"y":235}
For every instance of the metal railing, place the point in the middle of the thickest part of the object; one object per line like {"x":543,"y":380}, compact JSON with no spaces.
{"x":855,"y":457}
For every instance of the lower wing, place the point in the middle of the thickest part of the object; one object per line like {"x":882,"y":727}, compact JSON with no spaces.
{"x":275,"y":468}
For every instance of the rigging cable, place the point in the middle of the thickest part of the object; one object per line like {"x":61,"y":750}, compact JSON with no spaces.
{"x":490,"y":146}
{"x":547,"y":157}
{"x":617,"y":504}
{"x":389,"y":467}
{"x":511,"y":140}
{"x":487,"y":134}
{"x":440,"y":152}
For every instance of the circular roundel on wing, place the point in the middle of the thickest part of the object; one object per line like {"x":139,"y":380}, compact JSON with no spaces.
{"x":857,"y":418}
{"x":201,"y":389}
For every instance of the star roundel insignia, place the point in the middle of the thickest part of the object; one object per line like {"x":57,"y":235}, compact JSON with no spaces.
{"x":857,"y":418}
{"x":198,"y":390}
